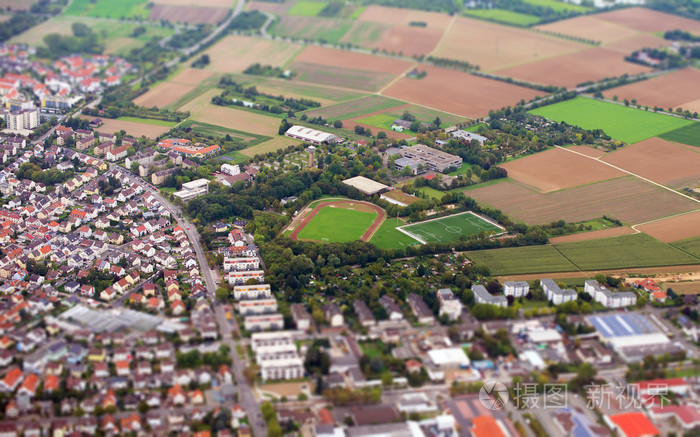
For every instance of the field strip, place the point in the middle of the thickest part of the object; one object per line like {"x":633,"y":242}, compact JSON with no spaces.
{"x":632,"y":174}
{"x":396,"y":79}
{"x":662,"y":218}
{"x":444,"y":35}
{"x":578,"y":273}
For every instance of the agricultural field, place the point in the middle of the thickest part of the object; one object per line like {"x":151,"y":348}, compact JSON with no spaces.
{"x":637,"y":42}
{"x":235,"y":53}
{"x":672,"y":90}
{"x":179,"y":89}
{"x":245,"y":121}
{"x":638,"y":250}
{"x":271,"y":145}
{"x":618,"y":198}
{"x":627,"y":251}
{"x":557,"y":169}
{"x":312,"y":28}
{"x":569,"y":70}
{"x":689,"y":135}
{"x":589,"y":27}
{"x":134,"y":126}
{"x":306,"y":8}
{"x":404,"y":16}
{"x":458,"y":93}
{"x":115,"y":35}
{"x":325,"y":95}
{"x":23,"y":5}
{"x":690,"y":245}
{"x":365,"y":33}
{"x":387,"y":237}
{"x":622,"y":123}
{"x":339,"y":221}
{"x":220,"y":131}
{"x":559,"y":6}
{"x":660,"y":161}
{"x":404,"y":40}
{"x":593,"y":235}
{"x":497,"y":47}
{"x":518,"y":260}
{"x":354,"y":108}
{"x":108,"y":9}
{"x":450,"y":228}
{"x":504,"y":16}
{"x":586,"y":150}
{"x":675,"y":228}
{"x":647,"y":20}
{"x":188,"y":14}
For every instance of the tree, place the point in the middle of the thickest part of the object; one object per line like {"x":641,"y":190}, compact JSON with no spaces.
{"x":80,"y":29}
{"x":359,"y":130}
{"x":337,"y":124}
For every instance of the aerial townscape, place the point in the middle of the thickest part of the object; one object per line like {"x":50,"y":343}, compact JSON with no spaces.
{"x":350,"y":218}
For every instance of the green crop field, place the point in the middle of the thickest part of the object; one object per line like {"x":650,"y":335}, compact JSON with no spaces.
{"x":383,"y":121}
{"x":451,"y":228}
{"x":689,"y":135}
{"x":503,"y":16}
{"x":620,"y":122}
{"x":149,"y":121}
{"x":690,"y":245}
{"x":337,"y":225}
{"x":426,"y":114}
{"x":520,"y":260}
{"x":306,"y":8}
{"x":638,"y":250}
{"x":558,"y":6}
{"x":354,"y":108}
{"x":330,"y":30}
{"x":109,"y":8}
{"x":387,"y":237}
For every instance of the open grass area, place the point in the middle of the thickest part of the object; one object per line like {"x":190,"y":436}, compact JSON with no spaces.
{"x":504,"y":16}
{"x":387,"y":237}
{"x":451,"y":228}
{"x":220,"y":131}
{"x":116,"y":36}
{"x":521,"y":260}
{"x":558,"y":5}
{"x":638,"y":250}
{"x":372,"y":348}
{"x":431,"y":192}
{"x":354,"y":108}
{"x":627,"y":251}
{"x":337,"y":225}
{"x":620,"y":122}
{"x":462,"y":170}
{"x":109,"y":8}
{"x":149,"y":121}
{"x":689,"y":135}
{"x":306,"y":8}
{"x":382,"y":121}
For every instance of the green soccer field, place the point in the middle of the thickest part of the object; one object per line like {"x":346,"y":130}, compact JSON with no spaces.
{"x":337,"y":225}
{"x":630,"y":125}
{"x":451,"y":228}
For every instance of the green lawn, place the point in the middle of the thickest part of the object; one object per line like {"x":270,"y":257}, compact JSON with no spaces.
{"x":558,"y":5}
{"x":638,"y":250}
{"x":387,"y":237}
{"x":383,"y":121}
{"x":503,"y":16}
{"x":620,"y":122}
{"x":372,"y":348}
{"x":109,"y":8}
{"x":432,"y":192}
{"x":306,"y":8}
{"x":337,"y":225}
{"x":521,"y":260}
{"x":689,"y":135}
{"x":451,"y":228}
{"x":462,"y":170}
{"x":149,"y":121}
{"x":627,"y":251}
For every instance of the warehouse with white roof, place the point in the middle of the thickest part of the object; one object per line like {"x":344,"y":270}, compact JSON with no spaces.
{"x":309,"y":135}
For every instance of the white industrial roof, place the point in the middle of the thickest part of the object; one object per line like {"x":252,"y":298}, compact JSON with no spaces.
{"x":452,"y":356}
{"x":195,"y":184}
{"x":310,"y":134}
{"x":367,"y":186}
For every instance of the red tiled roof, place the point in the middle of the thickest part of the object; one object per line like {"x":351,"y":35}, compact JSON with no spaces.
{"x":634,"y":424}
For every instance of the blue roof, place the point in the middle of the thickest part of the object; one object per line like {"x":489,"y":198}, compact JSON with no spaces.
{"x":622,"y":325}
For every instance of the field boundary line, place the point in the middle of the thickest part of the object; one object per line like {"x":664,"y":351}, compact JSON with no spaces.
{"x":444,"y":36}
{"x":396,"y":79}
{"x":633,"y":174}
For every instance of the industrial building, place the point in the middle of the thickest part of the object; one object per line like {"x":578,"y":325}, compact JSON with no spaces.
{"x":432,"y":159}
{"x":309,"y":135}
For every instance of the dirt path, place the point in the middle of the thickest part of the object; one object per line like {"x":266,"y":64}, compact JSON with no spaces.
{"x":368,"y":207}
{"x":684,"y":271}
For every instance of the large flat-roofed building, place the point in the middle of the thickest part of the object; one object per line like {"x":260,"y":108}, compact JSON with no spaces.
{"x":310,"y":135}
{"x":264,"y":322}
{"x":255,"y":291}
{"x":433,"y":159}
{"x":632,"y":335}
{"x":366,"y":185}
{"x":258,"y":306}
{"x":482,"y":295}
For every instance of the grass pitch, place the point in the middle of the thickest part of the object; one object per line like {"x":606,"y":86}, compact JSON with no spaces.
{"x":620,"y":122}
{"x":450,"y":228}
{"x":337,"y":225}
{"x":387,"y":237}
{"x":689,"y":135}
